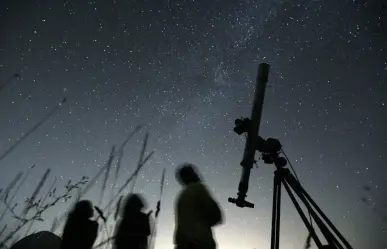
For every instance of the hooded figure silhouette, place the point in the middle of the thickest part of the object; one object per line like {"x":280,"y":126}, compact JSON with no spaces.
{"x":133,"y":229}
{"x":80,"y":232}
{"x":196,"y":212}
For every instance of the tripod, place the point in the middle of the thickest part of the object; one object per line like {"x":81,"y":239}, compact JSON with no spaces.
{"x":283,"y":176}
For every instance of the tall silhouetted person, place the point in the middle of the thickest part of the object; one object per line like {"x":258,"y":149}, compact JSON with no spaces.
{"x":133,"y":229}
{"x":80,"y":232}
{"x":196,"y":212}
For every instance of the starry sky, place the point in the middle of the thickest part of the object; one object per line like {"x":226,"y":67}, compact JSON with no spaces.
{"x":186,"y":70}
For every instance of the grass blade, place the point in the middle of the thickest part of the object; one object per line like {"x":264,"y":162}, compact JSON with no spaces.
{"x":128,"y":180}
{"x":30,"y":202}
{"x":19,"y":141}
{"x":5,"y":193}
{"x":41,"y":205}
{"x":107,"y":172}
{"x":145,"y":142}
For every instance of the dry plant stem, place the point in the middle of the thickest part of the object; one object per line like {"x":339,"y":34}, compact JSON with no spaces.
{"x":71,"y":207}
{"x":106,"y":231}
{"x":117,"y":212}
{"x":22,"y":182}
{"x":103,"y":242}
{"x":120,"y":151}
{"x":38,"y":215}
{"x":5,"y":194}
{"x":10,"y":209}
{"x":153,"y":233}
{"x":41,"y":205}
{"x":106,"y":176}
{"x":2,"y":230}
{"x":120,"y":154}
{"x":128,"y":181}
{"x":84,"y":191}
{"x":56,"y":223}
{"x":108,"y":234}
{"x":30,"y":201}
{"x":12,"y":184}
{"x":92,"y":182}
{"x":18,"y":142}
{"x":125,"y":185}
{"x":140,"y":160}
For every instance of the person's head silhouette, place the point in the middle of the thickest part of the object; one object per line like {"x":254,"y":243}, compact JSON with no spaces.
{"x":187,"y":173}
{"x":134,"y":203}
{"x":83,"y":209}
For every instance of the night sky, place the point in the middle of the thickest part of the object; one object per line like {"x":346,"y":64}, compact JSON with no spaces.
{"x":186,"y":70}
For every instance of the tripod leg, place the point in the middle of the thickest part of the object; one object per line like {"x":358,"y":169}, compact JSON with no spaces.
{"x":305,"y":197}
{"x":297,"y":188}
{"x":275,"y":219}
{"x":303,"y":216}
{"x":345,"y":242}
{"x":278,"y":212}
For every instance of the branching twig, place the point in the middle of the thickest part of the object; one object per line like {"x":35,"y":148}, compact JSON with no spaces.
{"x":9,"y":208}
{"x":17,"y":190}
{"x":5,"y":194}
{"x":41,"y":204}
{"x":38,"y":215}
{"x":84,"y":191}
{"x":22,"y":182}
{"x":30,"y":201}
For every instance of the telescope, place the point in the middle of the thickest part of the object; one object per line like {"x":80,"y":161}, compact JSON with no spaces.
{"x":271,"y":150}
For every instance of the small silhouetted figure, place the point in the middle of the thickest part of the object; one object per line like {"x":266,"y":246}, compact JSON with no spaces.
{"x":196,"y":212}
{"x":134,"y":228}
{"x":80,"y":232}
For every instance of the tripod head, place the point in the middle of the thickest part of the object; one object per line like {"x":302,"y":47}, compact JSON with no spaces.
{"x":270,"y":148}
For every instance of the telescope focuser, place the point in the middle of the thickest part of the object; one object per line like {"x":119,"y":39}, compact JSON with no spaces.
{"x":241,"y":202}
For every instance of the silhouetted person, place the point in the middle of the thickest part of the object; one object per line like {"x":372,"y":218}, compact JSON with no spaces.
{"x":80,"y":232}
{"x":133,"y":229}
{"x":196,"y":212}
